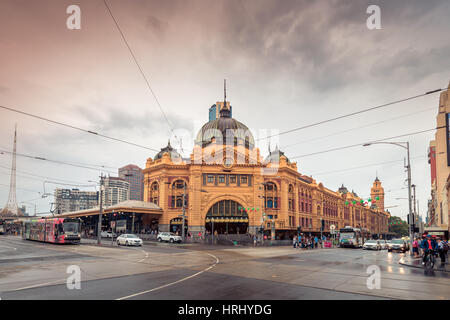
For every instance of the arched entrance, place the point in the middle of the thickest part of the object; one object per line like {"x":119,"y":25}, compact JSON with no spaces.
{"x":176,"y":225}
{"x":227,"y":217}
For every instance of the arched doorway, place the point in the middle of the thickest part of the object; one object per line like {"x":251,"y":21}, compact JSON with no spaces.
{"x":176,"y":225}
{"x":227,"y":217}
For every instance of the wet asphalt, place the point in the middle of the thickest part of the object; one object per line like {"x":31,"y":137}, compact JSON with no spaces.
{"x":33,"y":270}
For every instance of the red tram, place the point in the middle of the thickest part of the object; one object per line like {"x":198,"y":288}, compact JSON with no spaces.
{"x":53,"y":230}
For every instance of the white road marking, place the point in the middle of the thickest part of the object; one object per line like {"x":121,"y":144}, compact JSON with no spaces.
{"x":39,"y":285}
{"x":146,"y":255}
{"x":15,"y":249}
{"x":172,"y":283}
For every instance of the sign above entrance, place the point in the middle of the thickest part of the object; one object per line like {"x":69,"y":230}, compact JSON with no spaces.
{"x":226,"y":219}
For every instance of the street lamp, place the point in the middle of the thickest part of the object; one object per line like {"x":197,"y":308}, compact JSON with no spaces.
{"x":402,"y":145}
{"x":100,"y":214}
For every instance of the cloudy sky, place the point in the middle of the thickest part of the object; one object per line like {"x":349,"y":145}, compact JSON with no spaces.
{"x":287,"y":64}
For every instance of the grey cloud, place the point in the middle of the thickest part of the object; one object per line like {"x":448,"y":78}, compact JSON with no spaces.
{"x":303,"y":37}
{"x":413,"y":63}
{"x":156,"y":25}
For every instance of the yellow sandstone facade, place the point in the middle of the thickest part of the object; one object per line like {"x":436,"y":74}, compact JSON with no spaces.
{"x":230,"y":188}
{"x":438,"y":211}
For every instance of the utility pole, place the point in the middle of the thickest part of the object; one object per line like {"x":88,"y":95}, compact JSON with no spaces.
{"x":99,"y":227}
{"x":184,"y":210}
{"x":411,"y":218}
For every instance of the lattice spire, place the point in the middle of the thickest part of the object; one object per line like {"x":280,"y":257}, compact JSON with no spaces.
{"x":11,"y":207}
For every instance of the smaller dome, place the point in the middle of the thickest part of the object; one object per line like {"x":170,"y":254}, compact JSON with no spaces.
{"x":172,"y":152}
{"x":274,"y":156}
{"x":343,"y":189}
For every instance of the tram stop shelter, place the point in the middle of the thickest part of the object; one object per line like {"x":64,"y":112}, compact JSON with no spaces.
{"x":131,"y":216}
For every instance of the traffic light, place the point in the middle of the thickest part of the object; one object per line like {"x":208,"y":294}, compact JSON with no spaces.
{"x":299,"y":229}
{"x":413,"y":222}
{"x":323,"y":225}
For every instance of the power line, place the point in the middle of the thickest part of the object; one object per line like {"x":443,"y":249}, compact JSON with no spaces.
{"x":365,"y":166}
{"x":360,"y":144}
{"x":7,"y":185}
{"x":25,"y":177}
{"x":353,"y":113}
{"x":138,"y":65}
{"x":75,"y":127}
{"x":355,"y":128}
{"x":57,"y":161}
{"x":77,"y":163}
{"x":44,"y":177}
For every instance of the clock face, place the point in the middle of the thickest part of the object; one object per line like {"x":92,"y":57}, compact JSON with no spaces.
{"x":228,"y":163}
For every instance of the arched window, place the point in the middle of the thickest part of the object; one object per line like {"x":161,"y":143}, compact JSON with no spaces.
{"x":177,"y":191}
{"x":227,"y":208}
{"x":154,"y":193}
{"x":271,"y":195}
{"x":291,"y":197}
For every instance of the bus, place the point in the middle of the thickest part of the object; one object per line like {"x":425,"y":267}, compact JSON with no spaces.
{"x":53,"y":230}
{"x":350,"y":237}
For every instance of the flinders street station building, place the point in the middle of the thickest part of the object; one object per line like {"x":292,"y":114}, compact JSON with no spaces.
{"x":227,"y":187}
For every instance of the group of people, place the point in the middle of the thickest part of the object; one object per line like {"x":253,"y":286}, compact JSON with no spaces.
{"x":430,"y":244}
{"x":308,"y":242}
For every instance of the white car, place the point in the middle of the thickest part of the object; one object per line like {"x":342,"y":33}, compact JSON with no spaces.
{"x":384,"y":244}
{"x":129,"y":240}
{"x":372,"y":245}
{"x":169,"y":237}
{"x":108,"y":234}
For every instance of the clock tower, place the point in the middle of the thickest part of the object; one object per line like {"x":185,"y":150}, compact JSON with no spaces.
{"x":377,"y":191}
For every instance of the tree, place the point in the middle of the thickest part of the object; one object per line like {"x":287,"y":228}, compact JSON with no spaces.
{"x":398,"y":226}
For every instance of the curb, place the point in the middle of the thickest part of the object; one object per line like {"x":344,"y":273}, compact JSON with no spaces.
{"x":419,"y":267}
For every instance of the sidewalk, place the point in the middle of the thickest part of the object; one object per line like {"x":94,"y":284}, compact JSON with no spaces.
{"x":415,"y":262}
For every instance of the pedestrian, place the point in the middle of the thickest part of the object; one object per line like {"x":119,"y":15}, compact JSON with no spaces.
{"x":316,"y":241}
{"x":294,"y":242}
{"x":442,"y":248}
{"x":429,"y":246}
{"x":416,"y":247}
{"x":254,"y":240}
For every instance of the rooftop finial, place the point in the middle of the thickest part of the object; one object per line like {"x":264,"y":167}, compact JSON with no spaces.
{"x":225,"y":112}
{"x":224,"y":92}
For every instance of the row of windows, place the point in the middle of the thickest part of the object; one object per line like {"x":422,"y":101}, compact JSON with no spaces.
{"x":227,"y":179}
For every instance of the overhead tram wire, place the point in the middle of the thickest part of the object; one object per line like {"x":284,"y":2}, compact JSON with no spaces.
{"x":24,"y":174}
{"x":57,"y":161}
{"x":140,"y":68}
{"x":361,"y":167}
{"x":352,"y":114}
{"x":103,"y":167}
{"x":360,"y":144}
{"x":356,"y":128}
{"x":75,"y":127}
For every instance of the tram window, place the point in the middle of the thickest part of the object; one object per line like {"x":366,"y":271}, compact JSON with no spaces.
{"x":232,"y":179}
{"x":210,"y":178}
{"x":221,"y":179}
{"x":244,"y":179}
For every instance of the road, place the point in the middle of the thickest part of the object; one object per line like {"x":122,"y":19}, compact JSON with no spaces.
{"x":33,"y":270}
